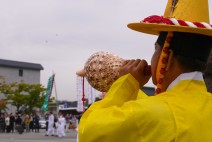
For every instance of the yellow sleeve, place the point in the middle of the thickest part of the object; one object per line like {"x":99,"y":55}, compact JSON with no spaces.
{"x":112,"y":119}
{"x":121,"y":117}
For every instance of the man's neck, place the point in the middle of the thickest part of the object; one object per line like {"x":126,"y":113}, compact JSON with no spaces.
{"x":186,"y":76}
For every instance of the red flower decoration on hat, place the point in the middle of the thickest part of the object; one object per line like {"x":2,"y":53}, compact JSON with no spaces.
{"x":172,"y":21}
{"x":157,"y":19}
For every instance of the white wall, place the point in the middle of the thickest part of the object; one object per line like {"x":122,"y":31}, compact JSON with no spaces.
{"x":12,"y":75}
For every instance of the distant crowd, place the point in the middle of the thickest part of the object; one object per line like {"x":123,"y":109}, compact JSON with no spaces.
{"x":10,"y":123}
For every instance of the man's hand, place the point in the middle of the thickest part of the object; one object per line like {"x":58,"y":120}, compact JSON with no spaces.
{"x":136,"y":69}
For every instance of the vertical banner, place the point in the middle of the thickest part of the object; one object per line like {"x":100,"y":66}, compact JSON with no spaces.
{"x":79,"y":82}
{"x":48,"y":93}
{"x":90,"y":93}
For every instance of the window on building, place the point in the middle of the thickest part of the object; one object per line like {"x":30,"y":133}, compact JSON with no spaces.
{"x":20,"y":72}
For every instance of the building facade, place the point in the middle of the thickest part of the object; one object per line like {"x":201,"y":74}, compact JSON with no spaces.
{"x":16,"y":71}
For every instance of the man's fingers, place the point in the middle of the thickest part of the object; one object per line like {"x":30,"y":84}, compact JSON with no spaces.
{"x":136,"y":62}
{"x":125,"y":62}
{"x":131,"y":63}
{"x":141,"y":65}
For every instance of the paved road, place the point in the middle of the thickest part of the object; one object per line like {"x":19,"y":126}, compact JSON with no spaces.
{"x":71,"y":136}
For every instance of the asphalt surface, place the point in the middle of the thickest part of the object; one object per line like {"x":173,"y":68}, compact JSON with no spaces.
{"x":71,"y":136}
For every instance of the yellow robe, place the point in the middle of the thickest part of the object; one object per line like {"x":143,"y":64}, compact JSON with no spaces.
{"x":126,"y":114}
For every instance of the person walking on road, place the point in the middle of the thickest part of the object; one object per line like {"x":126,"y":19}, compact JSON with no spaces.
{"x":50,"y":124}
{"x":61,"y":125}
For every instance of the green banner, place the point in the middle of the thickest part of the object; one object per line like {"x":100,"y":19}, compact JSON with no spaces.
{"x":48,"y":93}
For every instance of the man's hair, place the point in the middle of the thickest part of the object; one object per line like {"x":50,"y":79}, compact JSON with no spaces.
{"x":190,"y":64}
{"x":191,"y":50}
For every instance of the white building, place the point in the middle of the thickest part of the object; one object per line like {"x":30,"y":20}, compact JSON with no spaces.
{"x":16,"y":71}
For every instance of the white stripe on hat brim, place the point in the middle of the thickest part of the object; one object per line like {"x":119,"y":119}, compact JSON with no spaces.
{"x":155,"y":29}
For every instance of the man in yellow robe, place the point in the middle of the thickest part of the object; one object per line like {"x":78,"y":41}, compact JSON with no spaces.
{"x":181,"y":110}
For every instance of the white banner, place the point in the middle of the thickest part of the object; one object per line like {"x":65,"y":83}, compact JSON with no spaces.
{"x":90,"y":93}
{"x":79,"y":94}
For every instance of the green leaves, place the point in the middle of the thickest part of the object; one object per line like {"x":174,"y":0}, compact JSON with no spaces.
{"x":22,"y":95}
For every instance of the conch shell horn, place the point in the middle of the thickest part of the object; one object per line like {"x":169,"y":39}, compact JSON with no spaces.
{"x":102,"y":69}
{"x":80,"y":72}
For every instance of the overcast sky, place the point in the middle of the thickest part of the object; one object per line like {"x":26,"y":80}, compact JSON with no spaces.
{"x":62,"y":34}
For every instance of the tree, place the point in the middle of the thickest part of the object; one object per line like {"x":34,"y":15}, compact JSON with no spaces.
{"x":36,"y":96}
{"x":24,"y":96}
{"x":13,"y":93}
{"x":2,"y":104}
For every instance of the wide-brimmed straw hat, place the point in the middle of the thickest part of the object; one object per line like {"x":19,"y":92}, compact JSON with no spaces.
{"x":190,"y":16}
{"x":180,"y":16}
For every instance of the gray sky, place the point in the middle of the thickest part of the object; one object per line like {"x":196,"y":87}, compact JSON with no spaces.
{"x":62,"y":34}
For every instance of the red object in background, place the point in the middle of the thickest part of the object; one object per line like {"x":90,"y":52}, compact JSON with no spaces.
{"x":83,"y":92}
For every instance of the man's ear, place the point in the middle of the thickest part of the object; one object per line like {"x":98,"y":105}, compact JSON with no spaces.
{"x":170,"y":58}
